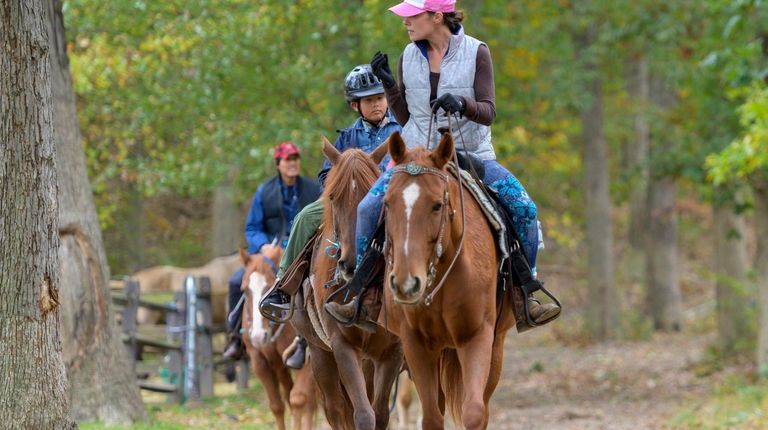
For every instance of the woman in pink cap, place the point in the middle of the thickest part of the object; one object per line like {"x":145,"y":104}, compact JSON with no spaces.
{"x":445,"y":71}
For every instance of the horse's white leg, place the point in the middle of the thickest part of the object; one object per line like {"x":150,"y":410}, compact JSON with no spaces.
{"x":475,"y":360}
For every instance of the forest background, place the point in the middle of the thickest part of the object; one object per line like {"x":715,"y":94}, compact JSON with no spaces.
{"x":640,"y":128}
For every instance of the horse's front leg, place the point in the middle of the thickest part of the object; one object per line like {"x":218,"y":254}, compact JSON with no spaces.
{"x":351,"y":372}
{"x":424,"y":369}
{"x":475,"y":360}
{"x":270,"y":382}
{"x":387,"y":368}
{"x":302,"y":399}
{"x":324,"y":369}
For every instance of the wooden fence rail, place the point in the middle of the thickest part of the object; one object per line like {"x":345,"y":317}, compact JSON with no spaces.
{"x":190,"y":375}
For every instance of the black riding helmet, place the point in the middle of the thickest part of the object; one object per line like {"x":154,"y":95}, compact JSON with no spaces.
{"x":361,"y":82}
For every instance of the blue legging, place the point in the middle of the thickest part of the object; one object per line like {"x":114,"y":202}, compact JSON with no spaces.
{"x":515,"y":199}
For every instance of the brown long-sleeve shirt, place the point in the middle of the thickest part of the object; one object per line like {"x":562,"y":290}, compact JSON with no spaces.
{"x":481,"y":109}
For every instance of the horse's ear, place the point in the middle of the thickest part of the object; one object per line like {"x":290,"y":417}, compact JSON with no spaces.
{"x":243,"y":256}
{"x":444,"y":151}
{"x":396,"y":147}
{"x":378,"y":154}
{"x":330,"y":152}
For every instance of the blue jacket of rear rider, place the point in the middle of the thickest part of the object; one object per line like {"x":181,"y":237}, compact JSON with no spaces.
{"x":361,"y":134}
{"x":273,"y":209}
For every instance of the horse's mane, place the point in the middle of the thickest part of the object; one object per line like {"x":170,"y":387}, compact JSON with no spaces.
{"x":350,"y":178}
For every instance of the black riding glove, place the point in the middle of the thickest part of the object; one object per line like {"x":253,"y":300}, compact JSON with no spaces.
{"x":449,"y":103}
{"x":380,"y":67}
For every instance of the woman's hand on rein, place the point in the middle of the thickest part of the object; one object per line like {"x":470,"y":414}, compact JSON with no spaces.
{"x":450,"y":103}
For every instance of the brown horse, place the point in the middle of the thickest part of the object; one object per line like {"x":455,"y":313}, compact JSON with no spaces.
{"x":265,"y":346}
{"x":338,"y":352}
{"x":452,"y":340}
{"x":167,"y":279}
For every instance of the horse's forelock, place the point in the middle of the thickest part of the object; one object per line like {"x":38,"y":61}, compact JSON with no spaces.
{"x":354,"y":169}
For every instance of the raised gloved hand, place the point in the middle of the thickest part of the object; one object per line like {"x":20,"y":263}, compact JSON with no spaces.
{"x":380,"y":67}
{"x":449,"y":103}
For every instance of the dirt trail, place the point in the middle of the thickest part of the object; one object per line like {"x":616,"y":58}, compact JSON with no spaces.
{"x":627,"y":385}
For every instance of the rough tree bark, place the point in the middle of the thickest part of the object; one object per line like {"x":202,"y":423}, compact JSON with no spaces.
{"x":637,"y":155}
{"x":760,"y":189}
{"x":734,"y":308}
{"x":33,"y":392}
{"x":663,"y":297}
{"x":102,"y":384}
{"x":603,"y":307}
{"x":664,"y":300}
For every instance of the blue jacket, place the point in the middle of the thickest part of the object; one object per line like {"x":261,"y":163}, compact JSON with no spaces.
{"x":271,"y":216}
{"x":362,"y":135}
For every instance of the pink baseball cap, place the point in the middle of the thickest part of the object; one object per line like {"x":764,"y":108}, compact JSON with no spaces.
{"x":414,"y":7}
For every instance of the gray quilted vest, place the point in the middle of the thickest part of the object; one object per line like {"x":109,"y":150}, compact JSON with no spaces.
{"x":457,"y":76}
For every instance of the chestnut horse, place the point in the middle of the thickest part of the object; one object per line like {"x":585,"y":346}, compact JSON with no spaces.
{"x":266,"y":344}
{"x":338,"y":352}
{"x":445,"y":316}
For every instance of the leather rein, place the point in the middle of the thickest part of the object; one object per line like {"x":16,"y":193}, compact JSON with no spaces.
{"x":414,"y":169}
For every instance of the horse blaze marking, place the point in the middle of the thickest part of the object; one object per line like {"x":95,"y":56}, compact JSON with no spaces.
{"x":256,"y":284}
{"x":410,"y":195}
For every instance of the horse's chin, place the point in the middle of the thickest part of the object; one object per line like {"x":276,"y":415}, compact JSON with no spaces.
{"x":407,"y":299}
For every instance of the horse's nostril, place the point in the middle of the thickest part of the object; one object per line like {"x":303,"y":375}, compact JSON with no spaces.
{"x":416,"y":284}
{"x":392,"y":281}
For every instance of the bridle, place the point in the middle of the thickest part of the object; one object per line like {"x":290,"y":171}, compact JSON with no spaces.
{"x":414,"y":169}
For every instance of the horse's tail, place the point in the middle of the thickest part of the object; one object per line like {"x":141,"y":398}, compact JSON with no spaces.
{"x":450,"y":380}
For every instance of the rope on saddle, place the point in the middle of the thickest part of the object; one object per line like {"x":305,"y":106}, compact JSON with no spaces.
{"x":313,"y":312}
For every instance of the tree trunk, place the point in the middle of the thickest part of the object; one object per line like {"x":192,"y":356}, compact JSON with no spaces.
{"x":602,"y":310}
{"x":663,"y":299}
{"x":91,"y":341}
{"x":33,"y":391}
{"x":734,"y":307}
{"x":226,"y":225}
{"x":637,"y":154}
{"x":131,"y":233}
{"x":760,"y":189}
{"x":663,"y":296}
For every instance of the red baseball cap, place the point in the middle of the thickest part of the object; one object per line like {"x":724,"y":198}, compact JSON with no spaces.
{"x":285,"y":150}
{"x":414,"y":7}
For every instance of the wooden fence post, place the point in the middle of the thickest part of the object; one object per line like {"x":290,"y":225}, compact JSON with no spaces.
{"x":241,"y":375}
{"x":131,"y":290}
{"x":174,"y":331}
{"x":204,"y":337}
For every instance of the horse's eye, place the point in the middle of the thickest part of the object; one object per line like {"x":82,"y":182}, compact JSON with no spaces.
{"x":437,"y":206}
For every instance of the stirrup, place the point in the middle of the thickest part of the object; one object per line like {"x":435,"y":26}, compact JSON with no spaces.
{"x":528,"y":289}
{"x":271,"y":315}
{"x":356,"y":300}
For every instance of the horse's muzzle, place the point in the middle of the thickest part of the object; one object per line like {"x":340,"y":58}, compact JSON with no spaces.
{"x":409,"y":293}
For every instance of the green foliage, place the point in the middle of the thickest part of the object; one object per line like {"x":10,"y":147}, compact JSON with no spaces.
{"x":748,"y":154}
{"x":737,"y":403}
{"x":176,"y":96}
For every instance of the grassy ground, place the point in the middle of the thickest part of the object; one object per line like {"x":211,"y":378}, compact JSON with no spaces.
{"x":737,"y":403}
{"x":228,"y":409}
